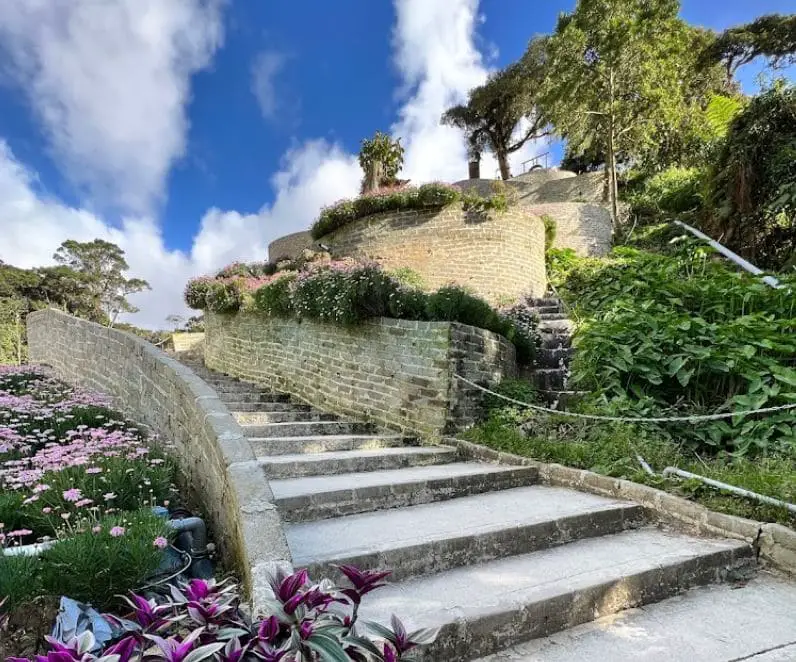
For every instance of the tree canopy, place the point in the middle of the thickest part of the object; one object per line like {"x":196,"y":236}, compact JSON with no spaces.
{"x":495,"y":110}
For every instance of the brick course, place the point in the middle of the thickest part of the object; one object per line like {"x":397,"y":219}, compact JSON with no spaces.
{"x":395,"y":373}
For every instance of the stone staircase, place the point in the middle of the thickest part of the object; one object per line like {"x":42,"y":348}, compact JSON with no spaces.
{"x":481,"y":551}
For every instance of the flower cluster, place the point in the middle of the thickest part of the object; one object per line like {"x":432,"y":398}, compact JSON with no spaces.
{"x":202,"y":620}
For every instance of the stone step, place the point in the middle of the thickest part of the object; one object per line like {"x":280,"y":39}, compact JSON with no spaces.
{"x":252,"y":396}
{"x":546,"y":310}
{"x":541,"y":302}
{"x":564,"y":325}
{"x":287,"y":416}
{"x":550,"y":379}
{"x":434,"y":537}
{"x":484,"y":608}
{"x":346,"y":462}
{"x":267,"y":446}
{"x":305,"y":428}
{"x":243,"y":387}
{"x":552,"y":358}
{"x":562,"y":399}
{"x":723,"y":623}
{"x":248,"y":406}
{"x":304,"y":499}
{"x":552,"y":317}
{"x":554,"y":339}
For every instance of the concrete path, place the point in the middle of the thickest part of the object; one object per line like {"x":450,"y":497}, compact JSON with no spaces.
{"x":494,"y":559}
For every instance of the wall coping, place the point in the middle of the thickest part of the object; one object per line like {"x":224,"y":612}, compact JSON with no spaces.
{"x":774,"y":543}
{"x":263,"y":539}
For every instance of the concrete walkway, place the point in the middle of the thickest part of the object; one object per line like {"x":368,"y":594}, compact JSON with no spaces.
{"x":494,"y":559}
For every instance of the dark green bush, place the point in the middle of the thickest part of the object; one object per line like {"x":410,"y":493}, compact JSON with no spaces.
{"x":456,"y":304}
{"x":674,"y":191}
{"x":408,"y":303}
{"x":224,"y":296}
{"x":275,"y":298}
{"x":196,"y":292}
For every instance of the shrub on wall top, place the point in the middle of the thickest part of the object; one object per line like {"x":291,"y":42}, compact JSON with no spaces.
{"x":428,"y":196}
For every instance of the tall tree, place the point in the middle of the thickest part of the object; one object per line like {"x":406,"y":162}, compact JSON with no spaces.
{"x":101,"y":266}
{"x":494,"y":110}
{"x":615,"y":84}
{"x":381,"y":159}
{"x":772,"y":36}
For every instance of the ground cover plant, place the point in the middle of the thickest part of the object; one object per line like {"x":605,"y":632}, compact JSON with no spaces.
{"x":202,"y":619}
{"x":75,"y":471}
{"x":348,"y":292}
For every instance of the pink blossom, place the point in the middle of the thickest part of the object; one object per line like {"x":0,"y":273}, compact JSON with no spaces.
{"x":160,"y":542}
{"x":96,"y":529}
{"x":117,"y":531}
{"x":19,"y":533}
{"x":83,"y":502}
{"x":109,"y":496}
{"x":93,"y":470}
{"x":46,"y":510}
{"x":73,"y":494}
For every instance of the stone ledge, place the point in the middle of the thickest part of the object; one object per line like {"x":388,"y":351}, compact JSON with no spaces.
{"x":775,"y":544}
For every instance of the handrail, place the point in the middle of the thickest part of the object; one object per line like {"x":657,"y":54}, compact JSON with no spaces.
{"x":734,"y":257}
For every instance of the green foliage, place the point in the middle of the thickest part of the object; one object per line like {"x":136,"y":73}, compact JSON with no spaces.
{"x":20,"y":580}
{"x":685,"y":333}
{"x":425,"y":197}
{"x":275,"y":298}
{"x":218,"y":296}
{"x":456,"y":304}
{"x":381,"y":159}
{"x":518,"y":389}
{"x":720,"y":113}
{"x":108,"y":565}
{"x":407,"y":276}
{"x":673,"y":191}
{"x":101,"y":265}
{"x":772,"y":36}
{"x":752,"y":185}
{"x":494,"y":109}
{"x":550,"y":231}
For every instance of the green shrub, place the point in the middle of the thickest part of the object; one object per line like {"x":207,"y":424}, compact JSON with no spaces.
{"x":224,"y":296}
{"x":111,"y":563}
{"x":408,"y":303}
{"x":675,"y":190}
{"x":196,"y":292}
{"x":456,"y":304}
{"x":550,"y":231}
{"x":518,"y":389}
{"x":275,"y":299}
{"x":407,"y":276}
{"x":20,"y":580}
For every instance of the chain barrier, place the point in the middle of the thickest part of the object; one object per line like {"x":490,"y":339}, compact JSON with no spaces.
{"x":630,"y":419}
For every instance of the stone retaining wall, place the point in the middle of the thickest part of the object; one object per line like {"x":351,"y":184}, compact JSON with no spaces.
{"x":395,"y":373}
{"x":216,"y":460}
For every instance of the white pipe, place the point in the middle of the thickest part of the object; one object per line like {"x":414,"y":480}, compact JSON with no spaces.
{"x":726,"y":252}
{"x":644,"y":465}
{"x":669,"y":471}
{"x":29,"y":550}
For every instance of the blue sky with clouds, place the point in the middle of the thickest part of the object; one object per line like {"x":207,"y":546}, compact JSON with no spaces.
{"x":193,"y":132}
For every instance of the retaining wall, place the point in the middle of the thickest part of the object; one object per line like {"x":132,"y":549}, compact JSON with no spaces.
{"x":216,"y":460}
{"x":498,"y":256}
{"x":395,"y":373}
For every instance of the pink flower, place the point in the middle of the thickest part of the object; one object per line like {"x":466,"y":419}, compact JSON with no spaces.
{"x":160,"y":542}
{"x":41,"y":487}
{"x":117,"y":531}
{"x":83,"y":502}
{"x":93,"y":470}
{"x":96,"y":529}
{"x":47,"y":510}
{"x":19,"y":533}
{"x":73,"y":495}
{"x":108,"y":496}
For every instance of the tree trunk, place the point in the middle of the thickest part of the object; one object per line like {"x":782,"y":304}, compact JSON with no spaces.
{"x":613,"y":188}
{"x":503,"y":162}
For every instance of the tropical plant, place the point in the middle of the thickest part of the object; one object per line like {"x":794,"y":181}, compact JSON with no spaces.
{"x":381,"y":159}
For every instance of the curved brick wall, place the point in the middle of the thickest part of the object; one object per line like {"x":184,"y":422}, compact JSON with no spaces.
{"x":214,"y":456}
{"x":291,"y":245}
{"x":396,"y":373}
{"x":497,"y":256}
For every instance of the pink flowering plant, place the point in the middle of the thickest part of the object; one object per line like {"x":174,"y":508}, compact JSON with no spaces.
{"x":72,"y":469}
{"x":203,"y":620}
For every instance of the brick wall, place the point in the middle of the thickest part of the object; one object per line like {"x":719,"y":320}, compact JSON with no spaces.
{"x":498,"y":256}
{"x":214,"y":457}
{"x":186,"y":342}
{"x":395,"y":373}
{"x":290,"y":245}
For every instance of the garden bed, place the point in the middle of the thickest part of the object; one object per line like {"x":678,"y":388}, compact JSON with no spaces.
{"x":80,"y":478}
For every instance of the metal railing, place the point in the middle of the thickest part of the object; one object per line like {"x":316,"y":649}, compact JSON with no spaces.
{"x":734,"y":257}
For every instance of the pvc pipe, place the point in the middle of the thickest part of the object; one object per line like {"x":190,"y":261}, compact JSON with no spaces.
{"x":644,"y":465}
{"x":726,"y":252}
{"x":29,"y":550}
{"x":674,"y":471}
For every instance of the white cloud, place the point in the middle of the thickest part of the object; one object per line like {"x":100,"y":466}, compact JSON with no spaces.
{"x":110,"y":82}
{"x":265,"y":68}
{"x":435,"y":54}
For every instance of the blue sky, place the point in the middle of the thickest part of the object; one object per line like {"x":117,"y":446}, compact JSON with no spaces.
{"x":193,"y":132}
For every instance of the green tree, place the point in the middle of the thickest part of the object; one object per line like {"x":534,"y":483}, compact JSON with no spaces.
{"x":101,"y":265}
{"x":772,"y":36}
{"x":495,"y":109}
{"x":620,"y":79}
{"x":381,"y":159}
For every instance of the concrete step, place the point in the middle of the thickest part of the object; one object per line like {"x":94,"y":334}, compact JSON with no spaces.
{"x":552,"y":358}
{"x":564,"y":325}
{"x":546,"y":310}
{"x":434,"y":537}
{"x":285,"y":416}
{"x":306,"y":428}
{"x":244,"y":406}
{"x":550,"y":379}
{"x":252,"y":395}
{"x":267,"y":446}
{"x":557,"y":315}
{"x":320,"y":497}
{"x":243,"y":387}
{"x":484,"y":608}
{"x":555,"y":339}
{"x":724,"y":623}
{"x":346,"y":462}
{"x":542,"y":302}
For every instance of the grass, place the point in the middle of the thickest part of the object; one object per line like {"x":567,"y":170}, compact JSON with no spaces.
{"x":611,"y":449}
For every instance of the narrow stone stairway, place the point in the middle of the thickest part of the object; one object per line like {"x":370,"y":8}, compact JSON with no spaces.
{"x":481,"y":551}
